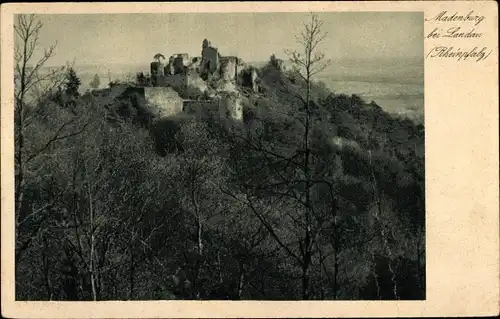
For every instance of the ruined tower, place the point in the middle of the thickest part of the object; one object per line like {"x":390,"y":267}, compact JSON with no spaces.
{"x":157,"y":71}
{"x":209,"y":57}
{"x":205,"y":44}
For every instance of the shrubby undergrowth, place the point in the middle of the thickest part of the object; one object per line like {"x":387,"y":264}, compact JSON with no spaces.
{"x":209,"y":208}
{"x":316,"y":200}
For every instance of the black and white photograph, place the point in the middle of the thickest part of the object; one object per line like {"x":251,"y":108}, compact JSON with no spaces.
{"x":219,"y":156}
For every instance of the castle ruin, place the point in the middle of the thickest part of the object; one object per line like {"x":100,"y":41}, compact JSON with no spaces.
{"x":182,"y":72}
{"x":181,"y":65}
{"x":209,"y":57}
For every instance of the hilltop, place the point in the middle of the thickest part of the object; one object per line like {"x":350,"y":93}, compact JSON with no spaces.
{"x":396,"y":86}
{"x":349,"y":116}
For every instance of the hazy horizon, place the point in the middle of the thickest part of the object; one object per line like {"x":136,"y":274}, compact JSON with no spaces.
{"x":113,"y":39}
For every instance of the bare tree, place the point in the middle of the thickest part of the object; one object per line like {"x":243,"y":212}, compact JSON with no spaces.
{"x":306,"y":65}
{"x":33,"y":85}
{"x":293,"y":189}
{"x":200,"y":176}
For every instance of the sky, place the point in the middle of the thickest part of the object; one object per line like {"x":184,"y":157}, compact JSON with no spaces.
{"x":100,"y":39}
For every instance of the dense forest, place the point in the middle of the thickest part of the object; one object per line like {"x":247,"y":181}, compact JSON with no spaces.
{"x":314,"y":195}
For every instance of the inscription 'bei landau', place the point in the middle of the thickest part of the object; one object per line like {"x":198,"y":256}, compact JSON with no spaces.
{"x":457,"y":26}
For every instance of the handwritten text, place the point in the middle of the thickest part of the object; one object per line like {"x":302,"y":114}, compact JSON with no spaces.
{"x":457,"y":26}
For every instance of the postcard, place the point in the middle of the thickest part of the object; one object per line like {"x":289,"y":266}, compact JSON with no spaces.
{"x":250,"y":159}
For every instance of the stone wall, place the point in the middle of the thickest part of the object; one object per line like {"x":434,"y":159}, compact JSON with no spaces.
{"x":175,"y":81}
{"x":229,"y":68}
{"x":194,"y":65}
{"x":210,"y":59}
{"x":180,"y":62}
{"x":185,"y":58}
{"x":254,"y":77}
{"x":223,"y":107}
{"x":178,"y":65}
{"x":163,"y":100}
{"x":194,"y":80}
{"x":181,"y":81}
{"x":157,"y":68}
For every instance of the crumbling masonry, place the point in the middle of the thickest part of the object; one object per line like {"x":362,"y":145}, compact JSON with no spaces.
{"x":182,"y":72}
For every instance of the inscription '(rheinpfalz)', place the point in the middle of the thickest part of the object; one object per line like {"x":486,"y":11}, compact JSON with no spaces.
{"x":453,"y":26}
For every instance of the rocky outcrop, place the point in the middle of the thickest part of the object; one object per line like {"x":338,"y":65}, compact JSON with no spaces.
{"x":229,"y":66}
{"x":232,"y":104}
{"x":248,"y":78}
{"x":280,"y":64}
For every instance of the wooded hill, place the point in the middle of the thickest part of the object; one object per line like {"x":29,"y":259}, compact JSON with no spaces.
{"x":317,"y":200}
